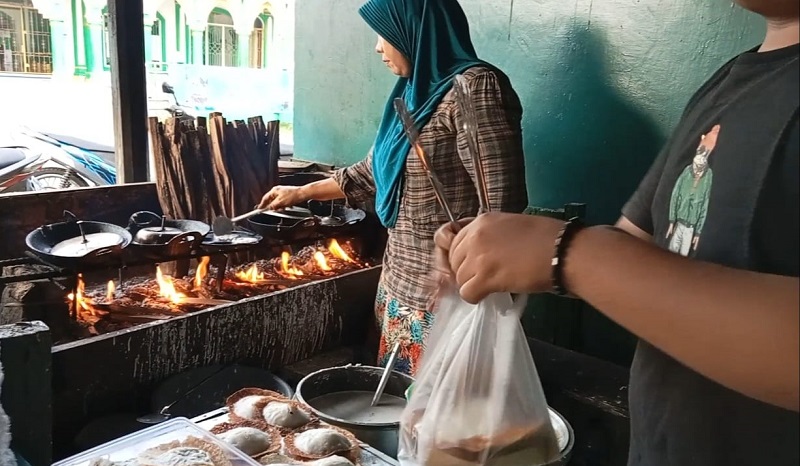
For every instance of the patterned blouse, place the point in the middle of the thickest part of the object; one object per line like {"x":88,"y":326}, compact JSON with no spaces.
{"x":408,"y":259}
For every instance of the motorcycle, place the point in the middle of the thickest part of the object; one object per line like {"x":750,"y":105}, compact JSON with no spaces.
{"x":16,"y":166}
{"x":61,"y":162}
{"x":177,"y":111}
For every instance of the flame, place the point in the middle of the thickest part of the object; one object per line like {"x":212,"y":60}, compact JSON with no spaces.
{"x":290,"y":271}
{"x":167,"y":287}
{"x":252,"y":275}
{"x":201,"y":272}
{"x":78,"y":300}
{"x":322,"y":262}
{"x":339,"y":252}
{"x":111,"y":291}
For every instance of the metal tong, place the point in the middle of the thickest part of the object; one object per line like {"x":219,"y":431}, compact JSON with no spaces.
{"x":413,"y":138}
{"x":470,"y":121}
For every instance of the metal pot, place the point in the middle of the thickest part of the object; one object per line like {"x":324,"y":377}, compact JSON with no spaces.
{"x":382,"y":436}
{"x":159,"y":238}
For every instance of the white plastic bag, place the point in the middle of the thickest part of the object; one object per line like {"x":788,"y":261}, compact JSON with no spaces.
{"x":477,"y":399}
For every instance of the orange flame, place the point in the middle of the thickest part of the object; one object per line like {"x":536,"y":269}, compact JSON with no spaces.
{"x":290,"y":271}
{"x":251,"y":275}
{"x":322,"y":262}
{"x":111,"y":291}
{"x":85,"y":309}
{"x":167,"y":288}
{"x":339,"y":252}
{"x":201,"y":272}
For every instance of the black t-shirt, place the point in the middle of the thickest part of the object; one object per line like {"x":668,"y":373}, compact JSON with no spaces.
{"x":723,"y":190}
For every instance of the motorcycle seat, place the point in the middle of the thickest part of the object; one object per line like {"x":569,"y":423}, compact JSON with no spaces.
{"x":10,"y":156}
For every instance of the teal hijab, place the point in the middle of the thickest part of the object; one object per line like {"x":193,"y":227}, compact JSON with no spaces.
{"x":434,"y":36}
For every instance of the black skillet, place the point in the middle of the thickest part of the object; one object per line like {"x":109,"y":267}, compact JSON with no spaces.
{"x":43,"y":240}
{"x":345,"y":217}
{"x":237,"y":239}
{"x":282,"y":229}
{"x":157,"y":237}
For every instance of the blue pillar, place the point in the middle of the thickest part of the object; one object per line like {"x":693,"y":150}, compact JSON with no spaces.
{"x":58,"y":47}
{"x":197,"y":47}
{"x":98,"y":59}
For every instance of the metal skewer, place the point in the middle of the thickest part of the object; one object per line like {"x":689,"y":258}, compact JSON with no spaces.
{"x":470,"y":120}
{"x":413,"y":138}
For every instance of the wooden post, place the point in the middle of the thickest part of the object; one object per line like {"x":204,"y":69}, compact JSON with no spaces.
{"x":128,"y":89}
{"x":27,"y":394}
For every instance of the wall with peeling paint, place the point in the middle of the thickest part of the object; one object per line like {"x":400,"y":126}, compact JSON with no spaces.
{"x":602,"y":82}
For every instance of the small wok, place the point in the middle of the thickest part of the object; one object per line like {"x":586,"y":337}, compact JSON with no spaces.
{"x":345,"y":217}
{"x":74,"y":243}
{"x":158,"y":237}
{"x":236,"y":239}
{"x":283,"y":229}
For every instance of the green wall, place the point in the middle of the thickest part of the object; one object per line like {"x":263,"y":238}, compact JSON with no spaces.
{"x":602,"y":82}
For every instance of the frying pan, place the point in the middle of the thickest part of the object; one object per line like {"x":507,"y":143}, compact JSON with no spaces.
{"x":282,"y":229}
{"x":42,"y":240}
{"x":238,"y":238}
{"x":349,"y":216}
{"x":188,"y":240}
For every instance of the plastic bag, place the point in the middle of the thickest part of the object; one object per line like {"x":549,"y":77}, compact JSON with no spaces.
{"x":477,"y":399}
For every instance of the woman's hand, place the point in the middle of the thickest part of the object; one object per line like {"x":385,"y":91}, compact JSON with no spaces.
{"x":281,"y":197}
{"x":498,"y":252}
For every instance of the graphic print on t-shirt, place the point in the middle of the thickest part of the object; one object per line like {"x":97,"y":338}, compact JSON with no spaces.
{"x":688,"y":206}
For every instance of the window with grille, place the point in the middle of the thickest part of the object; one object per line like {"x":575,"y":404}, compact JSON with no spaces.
{"x":257,"y":44}
{"x":24,"y":39}
{"x":106,"y":44}
{"x":221,"y":40}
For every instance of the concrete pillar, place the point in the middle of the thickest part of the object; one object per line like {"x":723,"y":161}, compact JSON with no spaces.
{"x":94,"y":18}
{"x":197,"y":46}
{"x":269,"y":31}
{"x":59,"y":49}
{"x":243,"y":47}
{"x":148,"y":44}
{"x":148,"y":39}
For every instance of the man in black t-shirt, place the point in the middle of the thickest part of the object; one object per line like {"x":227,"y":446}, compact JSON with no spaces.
{"x":703,"y":266}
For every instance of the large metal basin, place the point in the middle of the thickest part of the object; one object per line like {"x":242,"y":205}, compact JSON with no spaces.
{"x":384,"y":437}
{"x":381,"y":436}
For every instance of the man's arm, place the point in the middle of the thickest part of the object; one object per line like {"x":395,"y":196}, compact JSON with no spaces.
{"x":736,"y":327}
{"x":627,"y":226}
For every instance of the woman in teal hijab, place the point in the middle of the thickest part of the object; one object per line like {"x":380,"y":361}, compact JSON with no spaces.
{"x":426,"y":43}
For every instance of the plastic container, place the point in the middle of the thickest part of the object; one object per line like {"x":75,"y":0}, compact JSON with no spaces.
{"x":129,"y":447}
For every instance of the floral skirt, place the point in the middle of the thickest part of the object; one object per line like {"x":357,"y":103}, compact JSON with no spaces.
{"x":398,"y":322}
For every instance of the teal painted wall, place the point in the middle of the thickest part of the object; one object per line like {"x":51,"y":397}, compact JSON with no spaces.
{"x":601,"y":82}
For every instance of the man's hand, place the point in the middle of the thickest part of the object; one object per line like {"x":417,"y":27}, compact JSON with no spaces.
{"x":709,"y":140}
{"x":281,"y":197}
{"x":695,"y":241}
{"x":498,"y":252}
{"x":669,"y":230}
{"x":442,"y":274}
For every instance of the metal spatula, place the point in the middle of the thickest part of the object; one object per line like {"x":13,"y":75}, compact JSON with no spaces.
{"x":224,"y":225}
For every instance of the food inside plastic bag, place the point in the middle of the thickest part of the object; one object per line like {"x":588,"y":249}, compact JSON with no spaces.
{"x":477,"y":399}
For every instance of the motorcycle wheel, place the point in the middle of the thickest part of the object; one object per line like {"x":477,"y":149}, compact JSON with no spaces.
{"x":57,"y":178}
